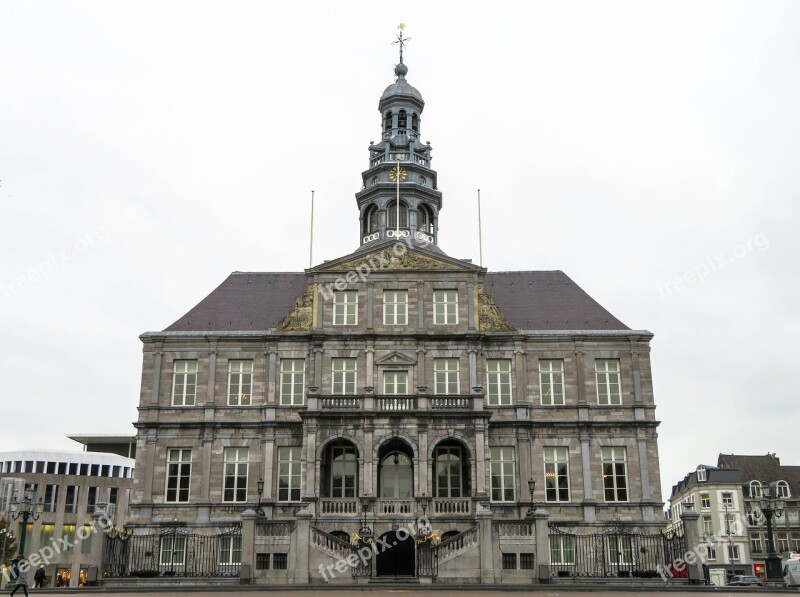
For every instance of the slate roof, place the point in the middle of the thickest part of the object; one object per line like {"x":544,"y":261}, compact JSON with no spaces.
{"x":754,"y":468}
{"x":531,"y":300}
{"x":714,"y":476}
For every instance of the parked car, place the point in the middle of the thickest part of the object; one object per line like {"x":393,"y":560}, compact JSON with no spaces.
{"x":745,"y":581}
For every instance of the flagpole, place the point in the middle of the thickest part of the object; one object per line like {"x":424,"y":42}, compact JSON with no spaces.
{"x":480,"y":229}
{"x":397,"y":220}
{"x":311,"y":236}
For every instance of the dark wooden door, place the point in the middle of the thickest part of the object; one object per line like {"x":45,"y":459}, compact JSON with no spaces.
{"x":395,"y":557}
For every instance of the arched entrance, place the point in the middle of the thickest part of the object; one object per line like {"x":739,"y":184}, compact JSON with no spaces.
{"x":395,"y":555}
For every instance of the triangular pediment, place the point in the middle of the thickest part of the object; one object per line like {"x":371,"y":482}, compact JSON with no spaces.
{"x":396,"y":358}
{"x":396,"y":257}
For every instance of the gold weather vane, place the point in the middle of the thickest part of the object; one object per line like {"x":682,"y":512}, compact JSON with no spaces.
{"x":401,"y":41}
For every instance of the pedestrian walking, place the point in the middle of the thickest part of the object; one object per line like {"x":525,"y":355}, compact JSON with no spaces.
{"x":38,"y":577}
{"x":22,"y":577}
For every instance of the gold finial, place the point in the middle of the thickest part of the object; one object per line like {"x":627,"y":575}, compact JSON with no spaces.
{"x":401,"y":26}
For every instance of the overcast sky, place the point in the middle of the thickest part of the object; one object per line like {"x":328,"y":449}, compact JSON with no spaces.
{"x":648,"y":149}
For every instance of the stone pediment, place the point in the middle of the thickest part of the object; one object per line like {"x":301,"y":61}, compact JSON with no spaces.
{"x":395,"y":257}
{"x":396,"y":358}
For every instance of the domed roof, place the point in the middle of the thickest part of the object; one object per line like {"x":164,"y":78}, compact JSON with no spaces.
{"x":401,"y":86}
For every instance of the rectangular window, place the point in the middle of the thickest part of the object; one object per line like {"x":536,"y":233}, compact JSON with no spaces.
{"x":445,"y":373}
{"x":293,"y":382}
{"x":184,"y":383}
{"x":615,"y":475}
{"x":498,"y":378}
{"x":113,"y":493}
{"x":502,"y":474}
{"x":705,"y":501}
{"x":708,"y":526}
{"x":50,"y":498}
{"x":796,"y":542}
{"x":71,"y":503}
{"x":445,"y":307}
{"x":235,"y":484}
{"x":448,"y":472}
{"x":551,"y":382}
{"x":733,"y":553}
{"x":562,"y":549}
{"x":756,"y":544}
{"x":91,"y":499}
{"x":345,"y":308}
{"x":240,"y":383}
{"x":179,"y":473}
{"x":783,"y":542}
{"x":344,"y":376}
{"x":344,"y":472}
{"x":395,"y":382}
{"x":230,"y":550}
{"x":556,"y":474}
{"x":86,"y":542}
{"x":727,"y":499}
{"x":509,"y":561}
{"x":289,"y":467}
{"x":526,"y":561}
{"x":395,"y":307}
{"x":280,"y":561}
{"x":68,"y":534}
{"x":711,"y":551}
{"x":46,"y":534}
{"x":262,"y":561}
{"x":173,"y":550}
{"x":608,"y":386}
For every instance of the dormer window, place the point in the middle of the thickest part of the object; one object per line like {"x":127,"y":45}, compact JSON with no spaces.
{"x":782,"y":489}
{"x":755,"y":489}
{"x":402,"y":121}
{"x":702,"y":477}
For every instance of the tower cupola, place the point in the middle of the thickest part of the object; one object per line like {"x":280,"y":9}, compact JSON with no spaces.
{"x":399,"y":168}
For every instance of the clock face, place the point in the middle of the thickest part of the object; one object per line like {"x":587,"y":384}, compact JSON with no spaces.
{"x":397,"y":174}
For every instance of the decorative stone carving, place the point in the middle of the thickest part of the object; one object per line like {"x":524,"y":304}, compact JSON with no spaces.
{"x":301,"y":317}
{"x":490,"y":318}
{"x":388,"y":259}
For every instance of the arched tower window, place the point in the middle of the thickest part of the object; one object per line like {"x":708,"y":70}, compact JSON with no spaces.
{"x":425,"y":219}
{"x":414,"y":122}
{"x":392,"y":210}
{"x":782,"y":489}
{"x":387,"y":122}
{"x":371,"y":219}
{"x":401,"y":120}
{"x":755,"y":489}
{"x":395,"y":470}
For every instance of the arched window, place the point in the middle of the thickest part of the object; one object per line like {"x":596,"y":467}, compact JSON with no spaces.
{"x":425,"y":219}
{"x":340,"y":470}
{"x":387,"y":122}
{"x":341,"y":535}
{"x":701,"y":474}
{"x":414,"y":122}
{"x":755,"y":489}
{"x":392,"y":210}
{"x":396,"y":477}
{"x":371,"y":219}
{"x":449,"y":535}
{"x":782,"y":489}
{"x":423,"y":181}
{"x":374,"y":181}
{"x":401,"y":119}
{"x":450,"y":470}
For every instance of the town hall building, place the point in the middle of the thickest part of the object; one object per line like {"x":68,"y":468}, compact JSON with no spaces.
{"x":460,"y":424}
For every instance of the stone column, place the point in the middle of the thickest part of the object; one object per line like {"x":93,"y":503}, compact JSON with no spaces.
{"x":269,"y":457}
{"x":367,"y":480}
{"x":486,"y":545}
{"x":156,"y":375}
{"x":423,"y":472}
{"x":212,"y":372}
{"x":370,"y":302}
{"x":581,"y":373}
{"x":589,"y":503}
{"x":481,"y":459}
{"x":271,"y":364}
{"x":521,"y":372}
{"x":691,"y":534}
{"x":470,"y":307}
{"x":542,"y":553}
{"x":311,"y":458}
{"x":473,"y":368}
{"x":420,"y":305}
{"x":644,"y":470}
{"x":301,"y":541}
{"x":248,"y":545}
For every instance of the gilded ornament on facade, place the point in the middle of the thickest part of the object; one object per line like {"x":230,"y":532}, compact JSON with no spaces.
{"x":390,"y":259}
{"x":490,"y":318}
{"x":301,"y":317}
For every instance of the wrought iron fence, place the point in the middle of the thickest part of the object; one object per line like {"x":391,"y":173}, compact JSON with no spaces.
{"x":616,"y":551}
{"x":427,"y":559}
{"x":173,"y":551}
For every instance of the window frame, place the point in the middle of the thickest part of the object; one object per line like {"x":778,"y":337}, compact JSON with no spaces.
{"x":549,"y":373}
{"x":395,"y":385}
{"x":448,"y":374}
{"x":345,"y":309}
{"x":614,"y":487}
{"x":296,"y":395}
{"x":184,"y":471}
{"x":186,"y":400}
{"x":392,"y":316}
{"x":555,"y":462}
{"x":290,"y":483}
{"x":452,"y":490}
{"x":240,"y":398}
{"x":345,"y":373}
{"x":445,"y":309}
{"x":235,"y":471}
{"x":503,"y":393}
{"x":503,"y":469}
{"x":607,"y":383}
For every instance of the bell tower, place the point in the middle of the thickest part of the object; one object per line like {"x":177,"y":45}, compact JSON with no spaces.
{"x":399,"y":167}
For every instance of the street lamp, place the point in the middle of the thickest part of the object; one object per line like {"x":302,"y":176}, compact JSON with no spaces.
{"x":260,"y":489}
{"x":772,"y":505}
{"x":26,"y":509}
{"x":365,"y":533}
{"x":531,"y":489}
